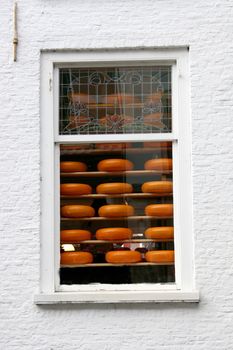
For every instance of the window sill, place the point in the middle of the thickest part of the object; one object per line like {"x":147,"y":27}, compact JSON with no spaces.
{"x":117,"y":297}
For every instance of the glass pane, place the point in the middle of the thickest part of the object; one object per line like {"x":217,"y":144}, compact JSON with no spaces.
{"x":116,"y":213}
{"x":115,"y":100}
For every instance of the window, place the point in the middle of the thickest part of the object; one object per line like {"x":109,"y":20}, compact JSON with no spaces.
{"x":116,"y":177}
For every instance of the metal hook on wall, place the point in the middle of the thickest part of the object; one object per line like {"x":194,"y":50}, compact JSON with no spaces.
{"x":15,"y":37}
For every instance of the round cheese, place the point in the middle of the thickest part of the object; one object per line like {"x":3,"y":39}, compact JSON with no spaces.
{"x":81,"y":98}
{"x":115,"y":165}
{"x":76,"y":258}
{"x":114,"y":188}
{"x":113,"y":233}
{"x":77,"y":211}
{"x":72,"y":236}
{"x":74,"y":189}
{"x":159,"y":210}
{"x":69,"y":167}
{"x":157,"y":187}
{"x":161,"y":232}
{"x":119,"y":99}
{"x":123,"y":257}
{"x":116,"y":210}
{"x":160,"y":256}
{"x":158,"y":164}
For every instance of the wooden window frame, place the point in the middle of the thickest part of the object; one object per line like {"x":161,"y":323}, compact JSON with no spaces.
{"x":50,"y":290}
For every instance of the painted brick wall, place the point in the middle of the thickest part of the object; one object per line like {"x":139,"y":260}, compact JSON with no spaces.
{"x":207,"y":27}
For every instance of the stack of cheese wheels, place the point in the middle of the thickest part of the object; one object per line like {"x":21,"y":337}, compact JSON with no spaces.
{"x":73,"y":236}
{"x":76,"y":258}
{"x":115,"y":165}
{"x":77,"y":211}
{"x":116,"y":210}
{"x":75,"y":189}
{"x":123,"y":257}
{"x":160,"y":256}
{"x":158,"y":164}
{"x":157,"y":187}
{"x":159,"y":210}
{"x":69,"y":167}
{"x":153,"y":119}
{"x":76,"y":97}
{"x":119,"y":99}
{"x":114,"y":188}
{"x":162,"y":232}
{"x":113,"y":146}
{"x":113,"y":233}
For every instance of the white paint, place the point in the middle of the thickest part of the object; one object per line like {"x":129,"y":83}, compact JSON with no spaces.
{"x":206,"y":26}
{"x":50,"y":254}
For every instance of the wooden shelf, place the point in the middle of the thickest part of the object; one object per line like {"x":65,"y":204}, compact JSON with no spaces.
{"x":114,"y":151}
{"x":108,"y":264}
{"x":103,"y":218}
{"x":128,"y":195}
{"x":116,"y":173}
{"x":95,"y":241}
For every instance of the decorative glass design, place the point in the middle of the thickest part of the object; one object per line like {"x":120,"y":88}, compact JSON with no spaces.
{"x":115,"y":100}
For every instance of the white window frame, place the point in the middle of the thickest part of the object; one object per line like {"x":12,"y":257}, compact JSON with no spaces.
{"x":184,"y":289}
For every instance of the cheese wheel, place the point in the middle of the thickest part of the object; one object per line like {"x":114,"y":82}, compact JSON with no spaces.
{"x":157,"y":187}
{"x":69,"y":167}
{"x":155,"y":97}
{"x":113,"y":146}
{"x":115,"y":165}
{"x":162,"y":232}
{"x":116,"y":119}
{"x":76,"y":258}
{"x":158,"y":164}
{"x":159,"y":210}
{"x":116,"y":210}
{"x":113,"y":233}
{"x":77,"y":211}
{"x":75,"y":189}
{"x":160,"y":256}
{"x":72,"y":236}
{"x":119,"y":99}
{"x":123,"y":257}
{"x":81,"y":98}
{"x":114,"y":188}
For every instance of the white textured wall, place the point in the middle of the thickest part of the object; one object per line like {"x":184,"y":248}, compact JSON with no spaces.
{"x":205,"y":25}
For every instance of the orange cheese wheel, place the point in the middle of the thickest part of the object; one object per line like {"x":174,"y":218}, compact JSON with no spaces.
{"x":81,"y":98}
{"x":77,"y":211}
{"x":115,"y":165}
{"x":116,"y":210}
{"x":119,"y":99}
{"x":69,"y":236}
{"x":114,"y":188}
{"x":69,"y":167}
{"x":155,"y":97}
{"x":159,"y":210}
{"x":113,"y":233}
{"x":76,"y":258}
{"x":123,"y":257}
{"x":160,"y":256}
{"x":75,"y":189}
{"x":162,"y":232}
{"x":158,"y":164}
{"x":157,"y":187}
{"x":113,"y":146}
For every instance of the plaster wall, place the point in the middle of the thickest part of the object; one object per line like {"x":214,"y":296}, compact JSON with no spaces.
{"x":206,"y":27}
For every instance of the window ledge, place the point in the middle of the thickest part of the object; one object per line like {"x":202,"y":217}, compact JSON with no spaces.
{"x":117,"y":297}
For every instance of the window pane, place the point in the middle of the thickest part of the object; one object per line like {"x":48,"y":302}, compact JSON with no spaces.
{"x":115,"y":100}
{"x":116,"y":213}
